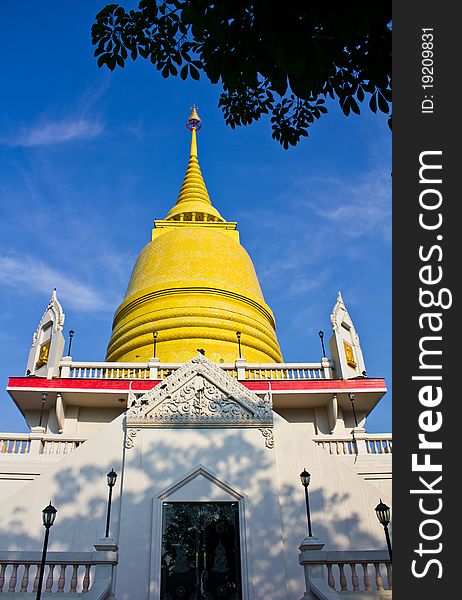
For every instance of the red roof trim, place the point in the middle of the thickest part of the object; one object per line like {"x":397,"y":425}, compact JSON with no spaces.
{"x":308,"y":385}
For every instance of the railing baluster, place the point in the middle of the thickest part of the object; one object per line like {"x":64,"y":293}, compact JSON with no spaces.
{"x":13,"y":579}
{"x":389,"y":576}
{"x":378,"y":577}
{"x":62,"y":578}
{"x":49,"y":582}
{"x":36,"y":580}
{"x":25,"y":578}
{"x":73,"y":586}
{"x":86,"y":579}
{"x":2,"y":575}
{"x":330,"y":576}
{"x":343,"y":581}
{"x":367,"y":578}
{"x":354,"y":577}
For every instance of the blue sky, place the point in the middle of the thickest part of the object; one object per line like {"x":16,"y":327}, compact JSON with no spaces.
{"x":88,"y":159}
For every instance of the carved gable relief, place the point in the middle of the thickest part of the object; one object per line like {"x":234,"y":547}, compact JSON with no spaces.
{"x":200,"y":394}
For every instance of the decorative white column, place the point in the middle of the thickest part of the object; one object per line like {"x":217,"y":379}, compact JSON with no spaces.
{"x":105,"y":559}
{"x":311,"y":570}
{"x":359,"y":434}
{"x":325,"y":364}
{"x":153,"y":367}
{"x":60,"y":412}
{"x":240,"y":366}
{"x":332,"y":412}
{"x":66,"y":367}
{"x":36,"y":440}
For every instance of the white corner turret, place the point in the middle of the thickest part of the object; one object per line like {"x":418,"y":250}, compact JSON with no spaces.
{"x":344,"y":344}
{"x":47,"y":342}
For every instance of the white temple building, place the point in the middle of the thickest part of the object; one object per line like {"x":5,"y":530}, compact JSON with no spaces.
{"x":208,"y":430}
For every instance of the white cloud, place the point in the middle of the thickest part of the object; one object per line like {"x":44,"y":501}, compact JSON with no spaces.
{"x":305,"y":283}
{"x":30,"y":275}
{"x":356,"y":209}
{"x":321,"y":217}
{"x":57,"y":132}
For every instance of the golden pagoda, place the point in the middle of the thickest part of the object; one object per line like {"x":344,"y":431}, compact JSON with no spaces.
{"x":193,"y":287}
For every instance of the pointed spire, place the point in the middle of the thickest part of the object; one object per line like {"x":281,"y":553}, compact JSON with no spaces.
{"x":193,"y":196}
{"x":194,"y":123}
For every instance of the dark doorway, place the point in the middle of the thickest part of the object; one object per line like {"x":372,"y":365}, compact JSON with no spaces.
{"x":200,"y":551}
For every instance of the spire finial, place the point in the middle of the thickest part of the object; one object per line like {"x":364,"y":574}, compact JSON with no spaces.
{"x":194,"y":121}
{"x":193,"y":200}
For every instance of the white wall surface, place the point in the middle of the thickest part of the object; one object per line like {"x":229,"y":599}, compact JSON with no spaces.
{"x":77,"y":487}
{"x":236,"y":457}
{"x":265,"y":481}
{"x":342,"y":503}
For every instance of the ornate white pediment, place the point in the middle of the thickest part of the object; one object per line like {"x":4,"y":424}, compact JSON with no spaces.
{"x":54,"y":314}
{"x":200,"y":393}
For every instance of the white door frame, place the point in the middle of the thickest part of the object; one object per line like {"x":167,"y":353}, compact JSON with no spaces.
{"x":156,"y":532}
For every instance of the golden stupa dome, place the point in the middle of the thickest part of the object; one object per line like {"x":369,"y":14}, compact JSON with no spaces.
{"x":195,"y":286}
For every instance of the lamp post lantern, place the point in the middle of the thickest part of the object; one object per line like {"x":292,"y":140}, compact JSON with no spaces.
{"x":48,"y":518}
{"x":71,"y":335}
{"x":351,"y":396}
{"x":238,"y":335}
{"x":383,"y":515}
{"x":321,"y":337}
{"x":154,"y":335}
{"x":305,"y":478}
{"x":111,"y":479}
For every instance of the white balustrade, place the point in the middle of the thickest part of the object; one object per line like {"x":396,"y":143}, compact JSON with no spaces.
{"x":79,"y":370}
{"x":374,"y":443}
{"x":61,"y":574}
{"x":358,"y":575}
{"x":20,"y":443}
{"x":158,"y":370}
{"x":15,"y":443}
{"x":287,"y":371}
{"x":54,"y":446}
{"x":329,"y":574}
{"x":71,"y":573}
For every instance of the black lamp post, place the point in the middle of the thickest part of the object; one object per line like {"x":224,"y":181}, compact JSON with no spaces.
{"x":383,"y":515}
{"x":48,"y":518}
{"x":44,"y":399}
{"x":154,"y":335}
{"x":351,"y":396}
{"x":238,"y":335}
{"x":321,"y":337}
{"x":111,"y":479}
{"x":71,"y":335}
{"x":305,"y":478}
